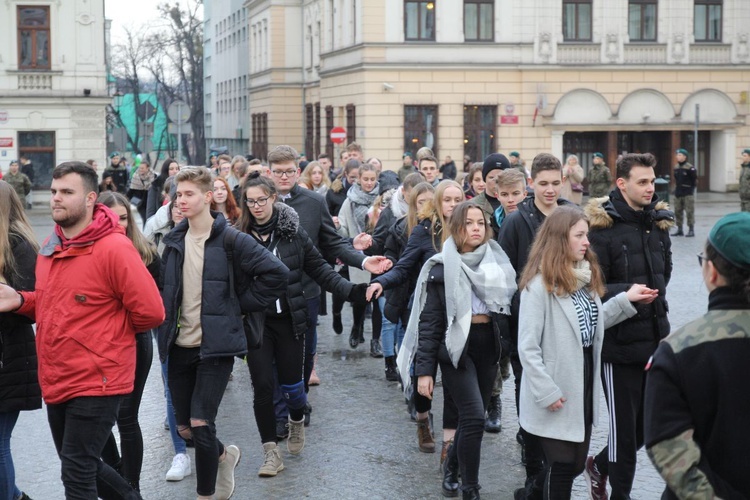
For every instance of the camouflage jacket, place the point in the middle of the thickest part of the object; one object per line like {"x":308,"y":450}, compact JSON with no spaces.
{"x":745,"y":181}
{"x":697,"y":409}
{"x":600,"y":181}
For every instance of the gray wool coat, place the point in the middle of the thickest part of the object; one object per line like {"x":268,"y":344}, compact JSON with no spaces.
{"x":551,"y":352}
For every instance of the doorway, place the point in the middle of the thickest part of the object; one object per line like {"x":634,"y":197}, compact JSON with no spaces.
{"x":39,"y":147}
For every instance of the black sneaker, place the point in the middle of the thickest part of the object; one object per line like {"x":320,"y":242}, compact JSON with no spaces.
{"x":282,"y":429}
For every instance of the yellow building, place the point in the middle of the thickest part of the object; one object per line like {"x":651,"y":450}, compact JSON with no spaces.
{"x":473,"y":77}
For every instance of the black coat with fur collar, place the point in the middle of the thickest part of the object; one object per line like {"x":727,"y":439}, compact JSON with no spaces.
{"x":633,"y":246}
{"x":291,"y":244}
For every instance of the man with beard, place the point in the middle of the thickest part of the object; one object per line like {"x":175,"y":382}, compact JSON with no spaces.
{"x":93,"y":293}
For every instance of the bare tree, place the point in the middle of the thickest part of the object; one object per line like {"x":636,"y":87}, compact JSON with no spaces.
{"x":127,"y":59}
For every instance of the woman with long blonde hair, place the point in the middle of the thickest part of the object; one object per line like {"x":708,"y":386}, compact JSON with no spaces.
{"x":130,"y":462}
{"x":315,"y":179}
{"x":561,"y":329}
{"x":19,"y":388}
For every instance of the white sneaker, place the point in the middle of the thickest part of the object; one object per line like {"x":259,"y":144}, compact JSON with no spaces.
{"x":180,"y":467}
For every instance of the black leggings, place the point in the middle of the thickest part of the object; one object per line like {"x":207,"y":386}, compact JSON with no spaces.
{"x":358,"y":313}
{"x":131,"y":438}
{"x":471,"y":387}
{"x":566,"y":459}
{"x":337,"y":302}
{"x":279,"y":345}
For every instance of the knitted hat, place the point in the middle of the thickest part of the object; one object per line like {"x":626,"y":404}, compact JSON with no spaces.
{"x":731,"y":238}
{"x":598,"y":155}
{"x":495,"y":161}
{"x":682,"y":151}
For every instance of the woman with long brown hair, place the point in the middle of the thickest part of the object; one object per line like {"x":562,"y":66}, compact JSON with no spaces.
{"x":19,"y":388}
{"x":561,"y":329}
{"x":224,"y":202}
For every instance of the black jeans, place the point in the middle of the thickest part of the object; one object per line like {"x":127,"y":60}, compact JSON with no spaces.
{"x":471,"y":387}
{"x":131,"y":438}
{"x":80,"y":427}
{"x":279,"y":345}
{"x":197,"y":387}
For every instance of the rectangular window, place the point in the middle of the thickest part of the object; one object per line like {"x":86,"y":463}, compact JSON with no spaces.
{"x":479,"y":20}
{"x":351,"y":123}
{"x":317,"y":130}
{"x":480,"y":126}
{"x":33,"y":37}
{"x":329,"y":126}
{"x":260,"y":135}
{"x":309,"y":132}
{"x":707,"y":20}
{"x":420,"y":128}
{"x":39,"y":147}
{"x":419,"y":20}
{"x":577,"y":20}
{"x":642,"y":20}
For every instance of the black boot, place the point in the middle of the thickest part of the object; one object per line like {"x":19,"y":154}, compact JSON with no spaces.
{"x":354,"y":337}
{"x":450,"y":472}
{"x":391,"y":374}
{"x":678,"y":232}
{"x":375,"y":349}
{"x":337,"y":326}
{"x":494,"y":412}
{"x":690,"y":233}
{"x":471,"y":493}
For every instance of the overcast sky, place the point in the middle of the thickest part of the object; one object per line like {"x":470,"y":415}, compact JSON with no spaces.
{"x":133,"y":14}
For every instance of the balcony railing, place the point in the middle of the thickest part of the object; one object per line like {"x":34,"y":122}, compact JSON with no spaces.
{"x":651,"y":53}
{"x":710,"y":53}
{"x":579,"y":53}
{"x":34,"y":81}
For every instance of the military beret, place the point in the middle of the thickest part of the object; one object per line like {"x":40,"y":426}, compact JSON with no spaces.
{"x":731,"y":238}
{"x":114,"y":153}
{"x":682,"y":151}
{"x":515,"y":153}
{"x":746,"y":151}
{"x":598,"y":155}
{"x":495,"y":161}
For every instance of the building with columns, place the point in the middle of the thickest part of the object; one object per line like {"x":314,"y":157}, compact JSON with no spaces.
{"x":476,"y":76}
{"x":53,"y":83}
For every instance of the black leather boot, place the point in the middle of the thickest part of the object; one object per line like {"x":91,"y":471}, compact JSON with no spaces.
{"x":375,"y":350}
{"x":471,"y":494}
{"x":690,"y":233}
{"x":338,"y":327}
{"x":391,"y":374}
{"x":450,"y":473}
{"x":354,"y":337}
{"x":494,"y":412}
{"x":678,"y":232}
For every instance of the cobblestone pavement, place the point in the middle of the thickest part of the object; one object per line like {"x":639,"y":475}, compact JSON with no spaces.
{"x":361,"y":443}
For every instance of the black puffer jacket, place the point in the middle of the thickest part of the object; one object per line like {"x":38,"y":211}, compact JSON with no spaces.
{"x":633,"y":247}
{"x":290,"y":243}
{"x":336,"y":196}
{"x":19,"y":385}
{"x":418,"y":250}
{"x":433,"y":323}
{"x":397,"y":298}
{"x":221,"y":318}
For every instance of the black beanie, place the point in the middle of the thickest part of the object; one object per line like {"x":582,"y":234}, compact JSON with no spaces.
{"x":493,"y":162}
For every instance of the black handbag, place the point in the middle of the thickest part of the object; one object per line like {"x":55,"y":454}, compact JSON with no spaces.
{"x":252,"y":322}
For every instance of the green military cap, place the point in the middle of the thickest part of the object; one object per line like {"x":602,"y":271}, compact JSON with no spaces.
{"x":515,"y":153}
{"x":682,"y":151}
{"x":731,"y":238}
{"x":746,"y":151}
{"x":598,"y":155}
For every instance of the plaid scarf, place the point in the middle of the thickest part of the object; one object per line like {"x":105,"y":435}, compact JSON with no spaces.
{"x":486,"y":271}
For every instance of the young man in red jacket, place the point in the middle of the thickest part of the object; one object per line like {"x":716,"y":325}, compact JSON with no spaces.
{"x":92,"y":295}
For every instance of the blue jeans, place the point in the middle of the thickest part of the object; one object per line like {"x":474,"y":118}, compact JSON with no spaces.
{"x":8,"y":488}
{"x":80,"y":427}
{"x":391,"y":333}
{"x":177,"y":441}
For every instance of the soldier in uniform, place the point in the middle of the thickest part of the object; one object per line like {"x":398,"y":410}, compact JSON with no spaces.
{"x":745,"y":181}
{"x":599,"y":177}
{"x":515,"y":162}
{"x":696,"y":420}
{"x":685,"y":179}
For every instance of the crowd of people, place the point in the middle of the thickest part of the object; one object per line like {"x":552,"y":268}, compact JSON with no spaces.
{"x":473,"y":275}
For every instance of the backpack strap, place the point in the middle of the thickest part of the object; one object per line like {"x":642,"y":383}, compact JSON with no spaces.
{"x":230,"y":238}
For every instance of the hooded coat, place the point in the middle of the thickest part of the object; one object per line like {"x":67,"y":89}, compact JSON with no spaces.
{"x":633,"y":246}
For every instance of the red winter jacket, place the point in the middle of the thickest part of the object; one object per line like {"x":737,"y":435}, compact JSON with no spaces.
{"x":92,"y":295}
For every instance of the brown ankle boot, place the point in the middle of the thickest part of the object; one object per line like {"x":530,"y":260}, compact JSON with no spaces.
{"x":424,"y":436}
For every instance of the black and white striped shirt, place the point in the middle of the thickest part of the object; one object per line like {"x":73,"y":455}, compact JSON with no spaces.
{"x":588,"y":314}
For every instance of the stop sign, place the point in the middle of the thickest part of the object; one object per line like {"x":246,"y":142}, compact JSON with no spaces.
{"x":338,"y":135}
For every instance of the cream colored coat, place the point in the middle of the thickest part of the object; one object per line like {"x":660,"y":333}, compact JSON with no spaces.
{"x":549,"y":345}
{"x":572,"y":174}
{"x":348,"y":229}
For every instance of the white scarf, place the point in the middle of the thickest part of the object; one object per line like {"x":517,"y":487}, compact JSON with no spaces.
{"x":487,"y":271}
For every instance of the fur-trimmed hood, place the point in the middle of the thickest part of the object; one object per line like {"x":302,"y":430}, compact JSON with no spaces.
{"x":288,"y":223}
{"x":602,"y":213}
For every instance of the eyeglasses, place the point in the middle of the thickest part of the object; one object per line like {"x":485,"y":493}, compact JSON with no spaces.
{"x":261,"y":202}
{"x":701,"y":258}
{"x":282,"y":173}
